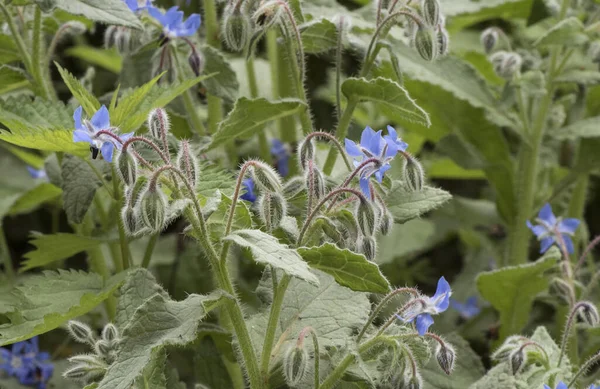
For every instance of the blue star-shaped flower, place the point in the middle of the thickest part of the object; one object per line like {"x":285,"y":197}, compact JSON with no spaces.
{"x":468,"y":309}
{"x":138,"y":5}
{"x":27,"y":363}
{"x":550,"y":228}
{"x":374,"y":145}
{"x":173,"y":24}
{"x":561,"y":385}
{"x":248,"y":187}
{"x":282,"y":157}
{"x":36,"y":173}
{"x":428,"y":306}
{"x":87,"y":131}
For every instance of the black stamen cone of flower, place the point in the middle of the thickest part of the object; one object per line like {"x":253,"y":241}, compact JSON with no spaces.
{"x":588,"y":313}
{"x":306,"y":153}
{"x":445,"y":356}
{"x":153,"y":208}
{"x":187,"y":162}
{"x":295,"y":365}
{"x":265,"y":177}
{"x":127,"y":167}
{"x":489,"y":39}
{"x":414,"y":176}
{"x":272,"y":209}
{"x":237,"y":27}
{"x":426,"y":42}
{"x":368,"y":246}
{"x":431,"y":12}
{"x":293,"y":187}
{"x":517,"y":360}
{"x":81,"y":332}
{"x":366,"y":217}
{"x":196,"y":62}
{"x":158,"y":123}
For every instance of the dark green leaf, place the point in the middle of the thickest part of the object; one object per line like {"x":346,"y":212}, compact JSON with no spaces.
{"x":224,"y":83}
{"x":79,"y":187}
{"x":50,"y":248}
{"x":406,"y":205}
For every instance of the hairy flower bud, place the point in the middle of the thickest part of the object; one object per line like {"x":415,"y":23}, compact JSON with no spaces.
{"x":110,"y":333}
{"x":88,"y":359}
{"x":266,"y":177}
{"x":74,"y":27}
{"x":366,"y":218}
{"x":196,"y":62}
{"x":295,"y":365}
{"x":414,"y":176}
{"x":431,"y":12}
{"x":443,"y":42}
{"x":306,"y":153}
{"x":153,"y":206}
{"x":272,"y":208}
{"x":415,"y":382}
{"x":121,"y":39}
{"x":588,"y":313}
{"x":561,"y":289}
{"x":489,"y":39}
{"x":517,"y":360}
{"x":81,"y":373}
{"x":445,"y":356}
{"x":236,"y":27}
{"x":506,"y":64}
{"x":127,"y":167}
{"x":293,"y":187}
{"x":386,"y":222}
{"x":133,"y":193}
{"x":426,"y":43}
{"x":81,"y":332}
{"x":315,"y":181}
{"x":368,"y":246}
{"x":187,"y":162}
{"x":158,"y":123}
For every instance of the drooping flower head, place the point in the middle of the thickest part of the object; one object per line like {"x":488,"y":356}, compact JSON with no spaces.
{"x":374,"y":145}
{"x":27,"y":363}
{"x":552,"y":230}
{"x":248,"y":188}
{"x":282,"y":157}
{"x":468,"y":309}
{"x":138,"y":5}
{"x":421,"y":308}
{"x":173,"y":24}
{"x":36,"y":173}
{"x":87,"y":131}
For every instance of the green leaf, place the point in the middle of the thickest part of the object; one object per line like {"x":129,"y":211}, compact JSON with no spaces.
{"x":249,"y":116}
{"x":139,"y":287}
{"x":54,"y":247}
{"x":580,"y":77}
{"x":511,"y":290}
{"x":586,"y":128}
{"x":213,"y":178}
{"x":35,"y":197}
{"x":349,"y":269}
{"x":109,"y":59}
{"x":8,"y":49}
{"x":209,"y":367}
{"x":105,"y":11}
{"x":87,"y":100}
{"x":267,"y":250}
{"x":12,"y":79}
{"x":79,"y":187}
{"x":406,"y":205}
{"x":153,"y":375}
{"x":463,"y":13}
{"x":157,"y":323}
{"x":224,"y":83}
{"x":127,"y":106}
{"x":318,"y":36}
{"x":242,"y":218}
{"x":570,"y":31}
{"x":45,"y":302}
{"x":388,"y":95}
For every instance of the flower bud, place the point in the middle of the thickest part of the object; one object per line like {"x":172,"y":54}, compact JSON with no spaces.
{"x":110,"y":333}
{"x":330,"y":229}
{"x":81,"y":332}
{"x":443,"y":41}
{"x":127,"y":167}
{"x":293,"y":187}
{"x":431,"y":12}
{"x":489,"y":39}
{"x":315,"y":181}
{"x":506,"y":64}
{"x":89,"y":360}
{"x":365,"y":217}
{"x":445,"y":356}
{"x":74,"y":27}
{"x":196,"y":62}
{"x":386,"y":222}
{"x":158,"y":123}
{"x":236,"y":28}
{"x":426,"y":43}
{"x":415,"y":382}
{"x":266,"y":177}
{"x":84,"y":373}
{"x":129,"y":218}
{"x":106,"y":350}
{"x":295,"y":365}
{"x":272,"y":208}
{"x":109,"y":36}
{"x":561,"y":289}
{"x":368,"y":246}
{"x":122,"y":39}
{"x":306,"y":153}
{"x":153,"y":205}
{"x":414,"y":176}
{"x":588,"y":313}
{"x":187,"y":162}
{"x":517,"y":360}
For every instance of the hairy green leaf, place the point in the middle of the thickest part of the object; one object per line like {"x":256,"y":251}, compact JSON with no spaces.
{"x":129,"y":104}
{"x":35,"y":197}
{"x":242,"y":218}
{"x":569,"y":31}
{"x":79,"y":187}
{"x":8,"y":49}
{"x":12,"y":79}
{"x":267,"y":250}
{"x":153,"y":375}
{"x":349,"y":269}
{"x":224,"y":83}
{"x":406,"y":205}
{"x":105,"y":11}
{"x":213,"y":178}
{"x":318,"y":36}
{"x":463,"y":13}
{"x":586,"y":128}
{"x":54,"y":247}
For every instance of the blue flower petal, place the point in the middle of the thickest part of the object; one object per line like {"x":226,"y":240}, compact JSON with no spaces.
{"x":101,"y":119}
{"x":35,"y":173}
{"x":190,"y":26}
{"x":568,"y":226}
{"x":536,"y":229}
{"x":248,"y":188}
{"x":155,"y":13}
{"x":568,"y":243}
{"x":392,"y":132}
{"x":107,"y":151}
{"x":77,"y":119}
{"x":546,"y":243}
{"x":562,"y":385}
{"x":423,"y":322}
{"x":364,"y":186}
{"x":546,"y":215}
{"x":352,"y":149}
{"x":82,"y":136}
{"x":366,"y":136}
{"x":442,"y":294}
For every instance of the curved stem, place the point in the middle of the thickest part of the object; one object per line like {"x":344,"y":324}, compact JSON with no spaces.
{"x":586,"y":252}
{"x":567,"y":331}
{"x":141,"y":139}
{"x":125,"y":254}
{"x":352,"y":175}
{"x":340,"y":133}
{"x":590,"y":362}
{"x":336,"y":143}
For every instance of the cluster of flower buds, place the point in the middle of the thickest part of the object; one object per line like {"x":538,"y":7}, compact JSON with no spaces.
{"x":429,"y":35}
{"x":506,"y":63}
{"x":272,"y":205}
{"x":120,"y":38}
{"x":519,"y":352}
{"x":91,"y":367}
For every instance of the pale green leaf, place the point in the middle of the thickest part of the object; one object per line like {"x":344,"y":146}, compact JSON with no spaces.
{"x":242,"y":218}
{"x":213,"y":178}
{"x":157,"y":323}
{"x":35,"y":197}
{"x":586,"y":128}
{"x":566,"y":32}
{"x":109,"y":59}
{"x":87,"y":100}
{"x":318,"y":36}
{"x":8,"y":49}
{"x":249,"y":116}
{"x":406,"y":205}
{"x":45,"y":302}
{"x":139,"y":287}
{"x":349,"y":269}
{"x":580,"y":77}
{"x":54,"y":247}
{"x":153,"y":375}
{"x":388,"y":95}
{"x":511,"y":290}
{"x":79,"y":187}
{"x":463,"y":13}
{"x":128,"y":105}
{"x":224,"y":83}
{"x":105,"y":11}
{"x":12,"y":79}
{"x":267,"y":250}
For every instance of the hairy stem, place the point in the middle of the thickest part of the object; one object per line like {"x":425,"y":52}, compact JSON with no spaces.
{"x":5,"y":254}
{"x":149,"y":250}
